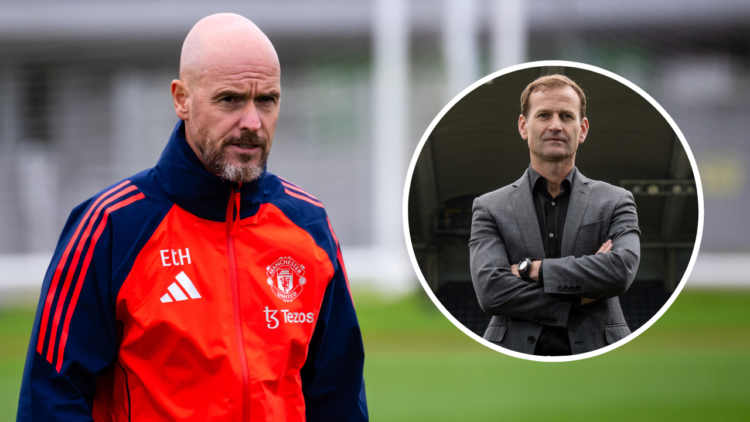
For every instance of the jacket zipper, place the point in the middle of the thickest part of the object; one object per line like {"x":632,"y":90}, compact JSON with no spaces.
{"x":231,"y":229}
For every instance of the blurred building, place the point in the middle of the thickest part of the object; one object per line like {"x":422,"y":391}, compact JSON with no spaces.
{"x":84,"y":100}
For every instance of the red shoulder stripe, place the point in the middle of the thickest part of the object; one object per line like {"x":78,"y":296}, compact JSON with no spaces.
{"x":84,"y":269}
{"x":61,"y":266}
{"x":297,"y":188}
{"x":72,"y":269}
{"x":304,"y":198}
{"x":287,"y":182}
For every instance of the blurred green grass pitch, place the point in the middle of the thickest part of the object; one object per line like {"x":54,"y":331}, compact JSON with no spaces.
{"x":692,"y":365}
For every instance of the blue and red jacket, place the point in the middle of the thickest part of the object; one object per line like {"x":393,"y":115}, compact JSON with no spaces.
{"x":176,"y":295}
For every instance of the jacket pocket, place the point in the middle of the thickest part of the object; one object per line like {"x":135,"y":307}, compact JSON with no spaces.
{"x":594,"y":225}
{"x":495,"y":333}
{"x":615,"y":333}
{"x":590,"y":238}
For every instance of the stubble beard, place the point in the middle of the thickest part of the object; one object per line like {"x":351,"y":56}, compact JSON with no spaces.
{"x":215,"y":156}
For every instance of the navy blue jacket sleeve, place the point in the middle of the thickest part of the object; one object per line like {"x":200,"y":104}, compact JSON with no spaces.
{"x":74,"y":338}
{"x":332,"y":378}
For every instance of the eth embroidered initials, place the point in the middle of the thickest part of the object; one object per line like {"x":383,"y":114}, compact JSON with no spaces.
{"x":171,"y":257}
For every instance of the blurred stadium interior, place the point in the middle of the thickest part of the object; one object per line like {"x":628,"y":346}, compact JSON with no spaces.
{"x":84,"y":102}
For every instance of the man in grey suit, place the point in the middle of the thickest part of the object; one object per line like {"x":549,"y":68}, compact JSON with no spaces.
{"x":551,"y":253}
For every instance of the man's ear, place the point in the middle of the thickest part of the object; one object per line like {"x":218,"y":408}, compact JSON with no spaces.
{"x":180,"y":97}
{"x":584,"y":130}
{"x":522,"y":127}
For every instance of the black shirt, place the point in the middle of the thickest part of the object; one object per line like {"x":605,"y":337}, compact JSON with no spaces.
{"x":551,"y":213}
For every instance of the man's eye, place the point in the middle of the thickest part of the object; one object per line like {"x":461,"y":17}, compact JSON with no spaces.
{"x":228,"y":99}
{"x":266,"y":99}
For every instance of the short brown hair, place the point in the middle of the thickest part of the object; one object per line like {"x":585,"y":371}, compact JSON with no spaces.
{"x":551,"y":81}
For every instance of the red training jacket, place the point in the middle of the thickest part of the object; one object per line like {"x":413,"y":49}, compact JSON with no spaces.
{"x":176,"y":295}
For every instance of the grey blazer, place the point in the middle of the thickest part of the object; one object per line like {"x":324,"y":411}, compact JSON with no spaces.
{"x":505,"y":230}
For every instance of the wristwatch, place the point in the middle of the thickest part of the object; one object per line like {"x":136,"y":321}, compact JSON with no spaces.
{"x":523,"y":269}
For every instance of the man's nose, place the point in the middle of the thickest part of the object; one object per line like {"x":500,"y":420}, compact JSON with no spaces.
{"x":250,"y":119}
{"x":556,"y":123}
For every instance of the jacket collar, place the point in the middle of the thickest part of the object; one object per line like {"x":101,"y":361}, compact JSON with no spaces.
{"x":523,"y":206}
{"x":188,"y":184}
{"x":534,"y":178}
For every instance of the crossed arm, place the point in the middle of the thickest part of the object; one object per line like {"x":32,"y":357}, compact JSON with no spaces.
{"x":607,"y":273}
{"x":601,"y":275}
{"x":534,"y":270}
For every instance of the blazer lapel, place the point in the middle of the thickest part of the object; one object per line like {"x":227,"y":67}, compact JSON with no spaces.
{"x":579,"y":201}
{"x":523,"y":208}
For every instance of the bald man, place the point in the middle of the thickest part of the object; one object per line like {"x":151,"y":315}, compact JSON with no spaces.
{"x":205,"y":288}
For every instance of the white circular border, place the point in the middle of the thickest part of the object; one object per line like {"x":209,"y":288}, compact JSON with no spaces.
{"x":410,"y":247}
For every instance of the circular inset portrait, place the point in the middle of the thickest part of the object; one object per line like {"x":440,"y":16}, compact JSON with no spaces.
{"x":553,"y":211}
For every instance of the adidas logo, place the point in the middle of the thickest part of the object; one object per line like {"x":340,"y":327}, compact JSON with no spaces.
{"x":177,"y":293}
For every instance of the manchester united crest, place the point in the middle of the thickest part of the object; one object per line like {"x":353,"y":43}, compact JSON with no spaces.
{"x":282,"y":275}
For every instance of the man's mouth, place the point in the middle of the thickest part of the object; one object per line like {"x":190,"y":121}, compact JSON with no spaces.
{"x":246,"y":147}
